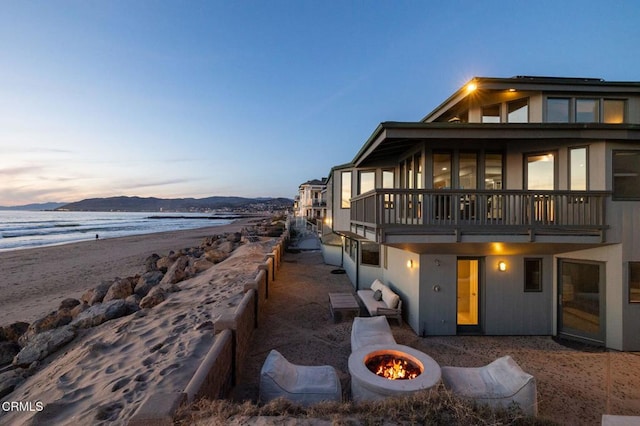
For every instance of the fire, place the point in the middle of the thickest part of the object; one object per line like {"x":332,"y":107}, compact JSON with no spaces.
{"x":393,"y":367}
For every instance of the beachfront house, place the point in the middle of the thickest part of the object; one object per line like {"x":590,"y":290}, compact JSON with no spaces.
{"x":310,"y":202}
{"x":513,"y":208}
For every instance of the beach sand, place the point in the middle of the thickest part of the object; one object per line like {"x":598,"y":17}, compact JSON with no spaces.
{"x":33,"y":282}
{"x":106,"y":372}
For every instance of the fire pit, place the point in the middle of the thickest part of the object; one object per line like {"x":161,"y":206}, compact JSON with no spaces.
{"x":380,"y":371}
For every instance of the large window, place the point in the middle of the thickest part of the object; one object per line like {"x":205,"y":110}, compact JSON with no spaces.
{"x":370,"y":254}
{"x":557,"y":110}
{"x":491,"y":114}
{"x":493,"y":171}
{"x":613,"y":111}
{"x":367,"y":182}
{"x":626,"y":175}
{"x":468,"y":170}
{"x":518,"y":111}
{"x":578,"y":169}
{"x":541,"y":171}
{"x":345,"y":193}
{"x":587,"y":111}
{"x":441,"y":170}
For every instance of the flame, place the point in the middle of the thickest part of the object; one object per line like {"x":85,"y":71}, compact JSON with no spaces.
{"x":395,"y":369}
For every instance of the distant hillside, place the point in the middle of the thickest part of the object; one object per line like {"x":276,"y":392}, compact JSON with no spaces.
{"x":138,"y":204}
{"x":40,"y":206}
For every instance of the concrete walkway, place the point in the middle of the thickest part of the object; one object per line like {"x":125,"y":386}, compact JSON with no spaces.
{"x":575,"y":386}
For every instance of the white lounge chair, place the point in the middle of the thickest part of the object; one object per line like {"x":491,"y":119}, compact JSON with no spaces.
{"x":305,"y":385}
{"x":367,"y":331}
{"x":498,"y":384}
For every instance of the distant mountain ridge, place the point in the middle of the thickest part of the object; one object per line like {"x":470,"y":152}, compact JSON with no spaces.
{"x":152,"y":204}
{"x":36,"y":207}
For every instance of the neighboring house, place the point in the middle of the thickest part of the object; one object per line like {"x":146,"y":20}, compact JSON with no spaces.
{"x":310,"y":202}
{"x":511,"y":209}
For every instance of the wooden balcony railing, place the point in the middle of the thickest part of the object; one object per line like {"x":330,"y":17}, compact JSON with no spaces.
{"x":553,"y":211}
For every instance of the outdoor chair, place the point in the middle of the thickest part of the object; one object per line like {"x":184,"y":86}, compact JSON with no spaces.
{"x":498,"y":384}
{"x":367,"y":331}
{"x":305,"y":385}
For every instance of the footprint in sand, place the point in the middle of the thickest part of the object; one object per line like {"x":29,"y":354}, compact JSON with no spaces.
{"x":167,"y":369}
{"x":120,"y":384}
{"x":109,"y":412}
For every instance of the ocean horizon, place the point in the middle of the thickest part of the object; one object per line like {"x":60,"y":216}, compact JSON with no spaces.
{"x":22,"y":229}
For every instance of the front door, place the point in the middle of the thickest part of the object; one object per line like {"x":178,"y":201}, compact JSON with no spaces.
{"x":581,"y":300}
{"x":468,"y":300}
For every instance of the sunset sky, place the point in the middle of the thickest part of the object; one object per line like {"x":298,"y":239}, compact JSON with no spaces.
{"x":252,"y":98}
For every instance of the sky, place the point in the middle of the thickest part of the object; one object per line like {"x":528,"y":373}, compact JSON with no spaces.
{"x":196,"y":98}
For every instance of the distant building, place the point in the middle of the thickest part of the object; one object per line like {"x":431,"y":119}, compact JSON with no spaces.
{"x":311,"y":202}
{"x":510,"y":209}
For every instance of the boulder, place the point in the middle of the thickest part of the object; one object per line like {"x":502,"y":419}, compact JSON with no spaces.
{"x":69,"y":303}
{"x":215,"y":256}
{"x":13,"y":331}
{"x":234,"y":237}
{"x":79,"y":309}
{"x":153,"y":298}
{"x":99,"y":313}
{"x":53,"y":320}
{"x":95,"y":295}
{"x":226,"y":247}
{"x":147,"y":281}
{"x":120,"y":289}
{"x":176,"y":272}
{"x":8,"y":350}
{"x":151,"y":263}
{"x":164,"y":263}
{"x":44,"y":344}
{"x":200,"y":265}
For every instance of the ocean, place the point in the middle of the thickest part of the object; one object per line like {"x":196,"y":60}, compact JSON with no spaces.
{"x":28,"y":229}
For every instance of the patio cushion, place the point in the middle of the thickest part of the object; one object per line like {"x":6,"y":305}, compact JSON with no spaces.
{"x":390,"y":298}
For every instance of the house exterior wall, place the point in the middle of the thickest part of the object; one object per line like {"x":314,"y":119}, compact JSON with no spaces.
{"x":507,"y":308}
{"x":405,"y":282}
{"x":438,"y":294}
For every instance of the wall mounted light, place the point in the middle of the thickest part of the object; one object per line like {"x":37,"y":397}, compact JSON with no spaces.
{"x":409,"y":263}
{"x":502,"y":266}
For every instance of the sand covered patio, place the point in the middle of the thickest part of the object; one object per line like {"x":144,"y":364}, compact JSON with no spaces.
{"x":576,"y":384}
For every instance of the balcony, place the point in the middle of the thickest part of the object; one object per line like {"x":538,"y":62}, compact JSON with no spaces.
{"x":384,"y":212}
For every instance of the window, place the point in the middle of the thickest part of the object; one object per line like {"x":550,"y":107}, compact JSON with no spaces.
{"x":353,"y":249}
{"x":493,"y":171}
{"x":441,"y":170}
{"x":468,"y":171}
{"x":634,"y":282}
{"x":345,"y":194}
{"x":578,"y":169}
{"x":518,"y":111}
{"x":367,"y":182}
{"x":388,"y":182}
{"x":491,"y":114}
{"x":557,"y":110}
{"x":626,"y":178}
{"x":532,"y":275}
{"x":540,"y":171}
{"x":370,"y":254}
{"x":587,"y":111}
{"x":613,"y":111}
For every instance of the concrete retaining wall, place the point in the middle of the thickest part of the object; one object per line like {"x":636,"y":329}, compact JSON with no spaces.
{"x":214,"y":379}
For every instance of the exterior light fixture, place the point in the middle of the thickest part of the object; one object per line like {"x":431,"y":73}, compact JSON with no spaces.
{"x":502,"y":266}
{"x":409,"y":263}
{"x":471,"y":87}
